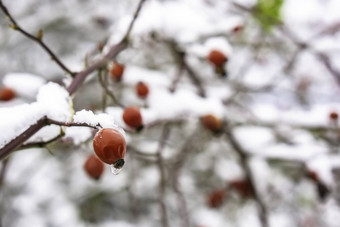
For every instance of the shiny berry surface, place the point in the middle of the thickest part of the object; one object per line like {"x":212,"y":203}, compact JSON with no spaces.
{"x":109,"y":145}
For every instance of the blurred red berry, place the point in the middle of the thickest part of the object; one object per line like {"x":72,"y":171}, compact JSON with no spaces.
{"x":237,"y":28}
{"x":242,"y":187}
{"x":6,"y":94}
{"x":133,"y":118}
{"x":94,"y":167}
{"x":333,"y":116}
{"x":215,"y":199}
{"x":212,"y":123}
{"x":217,"y":58}
{"x":142,"y":90}
{"x":117,"y":71}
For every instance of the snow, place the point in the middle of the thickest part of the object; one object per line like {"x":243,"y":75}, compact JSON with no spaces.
{"x":18,"y":118}
{"x":24,"y":84}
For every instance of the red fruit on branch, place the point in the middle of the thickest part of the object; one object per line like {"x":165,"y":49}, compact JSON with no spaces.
{"x":142,"y":90}
{"x":217,"y":58}
{"x":94,"y":167}
{"x":133,"y":118}
{"x":237,"y":28}
{"x":117,"y":71}
{"x":216,"y":198}
{"x":334,"y":116}
{"x":212,"y":123}
{"x":110,"y":146}
{"x":242,"y":187}
{"x":6,"y":94}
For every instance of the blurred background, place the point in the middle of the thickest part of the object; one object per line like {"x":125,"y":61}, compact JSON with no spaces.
{"x":272,"y":161}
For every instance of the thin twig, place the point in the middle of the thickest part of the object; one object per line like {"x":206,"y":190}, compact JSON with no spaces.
{"x":243,"y":155}
{"x":183,"y":155}
{"x":135,"y":16}
{"x":43,"y":143}
{"x":107,"y":90}
{"x":162,"y":182}
{"x":37,"y":39}
{"x":3,"y":171}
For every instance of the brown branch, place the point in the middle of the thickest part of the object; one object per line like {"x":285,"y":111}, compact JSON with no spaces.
{"x":135,"y":16}
{"x":180,"y":55}
{"x":3,"y":171}
{"x":162,"y":182}
{"x":37,"y":39}
{"x":44,"y":121}
{"x":243,"y":156}
{"x":179,"y":162}
{"x":42,"y":143}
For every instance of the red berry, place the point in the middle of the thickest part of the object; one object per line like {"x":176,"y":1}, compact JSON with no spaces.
{"x":6,"y":94}
{"x":216,"y":198}
{"x":133,"y":118}
{"x":109,"y":145}
{"x":333,"y":116}
{"x":311,"y":174}
{"x":217,"y":58}
{"x":237,"y":28}
{"x":212,"y":123}
{"x":94,"y":167}
{"x":142,"y":90}
{"x":117,"y":71}
{"x":242,"y":187}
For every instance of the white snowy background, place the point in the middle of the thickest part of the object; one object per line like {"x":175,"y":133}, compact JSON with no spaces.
{"x":277,"y":126}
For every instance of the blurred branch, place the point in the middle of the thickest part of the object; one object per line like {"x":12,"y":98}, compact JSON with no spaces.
{"x":43,"y":143}
{"x":37,"y":39}
{"x":134,"y":18}
{"x":107,"y":90}
{"x":162,"y":181}
{"x":248,"y":173}
{"x":177,"y":166}
{"x":3,"y":171}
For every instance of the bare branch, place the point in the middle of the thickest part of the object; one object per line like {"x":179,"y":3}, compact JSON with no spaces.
{"x":162,"y":182}
{"x":243,"y":155}
{"x":37,"y":39}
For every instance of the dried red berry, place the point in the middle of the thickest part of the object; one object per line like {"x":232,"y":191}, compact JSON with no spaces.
{"x":94,"y":167}
{"x":109,"y":145}
{"x":237,"y":28}
{"x":6,"y":94}
{"x":117,"y":71}
{"x":311,"y":174}
{"x":215,"y":199}
{"x":333,"y":116}
{"x":212,"y":123}
{"x":217,"y":58}
{"x":242,"y":187}
{"x":142,"y":90}
{"x":133,"y":118}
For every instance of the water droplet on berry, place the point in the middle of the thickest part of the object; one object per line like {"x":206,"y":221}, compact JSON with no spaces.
{"x":115,"y":170}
